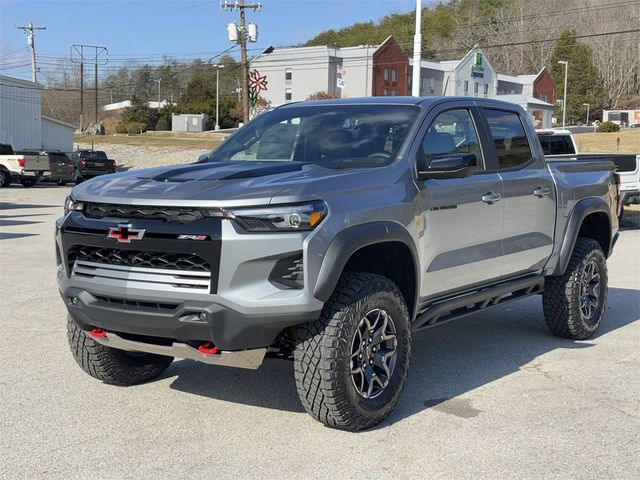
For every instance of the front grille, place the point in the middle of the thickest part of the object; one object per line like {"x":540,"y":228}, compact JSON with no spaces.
{"x":169,"y":261}
{"x":166,"y":214}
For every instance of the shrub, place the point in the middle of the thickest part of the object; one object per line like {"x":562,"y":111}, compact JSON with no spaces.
{"x":164,"y":124}
{"x":121,"y":127}
{"x":322,"y":95}
{"x":136,"y":127}
{"x":608,"y":127}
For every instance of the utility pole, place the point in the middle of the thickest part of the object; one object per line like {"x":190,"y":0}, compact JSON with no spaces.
{"x":417,"y":51}
{"x":100,"y":57}
{"x":238,"y":34}
{"x":564,"y":98}
{"x":31,"y":41}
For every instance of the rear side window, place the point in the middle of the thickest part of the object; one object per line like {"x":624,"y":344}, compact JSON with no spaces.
{"x":556,"y":144}
{"x":512,"y":145}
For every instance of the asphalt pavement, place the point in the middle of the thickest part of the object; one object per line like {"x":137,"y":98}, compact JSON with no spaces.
{"x":491,"y":396}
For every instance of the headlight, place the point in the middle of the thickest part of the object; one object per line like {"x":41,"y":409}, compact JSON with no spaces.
{"x":280,"y":218}
{"x":71,"y":205}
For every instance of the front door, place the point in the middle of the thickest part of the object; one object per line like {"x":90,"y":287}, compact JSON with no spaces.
{"x":461,"y":233}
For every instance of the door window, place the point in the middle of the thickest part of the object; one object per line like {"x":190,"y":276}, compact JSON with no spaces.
{"x":512,"y":145}
{"x":452,"y":131}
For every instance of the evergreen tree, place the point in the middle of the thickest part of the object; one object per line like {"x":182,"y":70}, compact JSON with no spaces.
{"x":584,"y":84}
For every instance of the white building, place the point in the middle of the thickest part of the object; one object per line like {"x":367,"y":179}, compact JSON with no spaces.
{"x":621,"y":117}
{"x":22,"y":124}
{"x":20,"y":117}
{"x":471,"y":76}
{"x":57,"y":135}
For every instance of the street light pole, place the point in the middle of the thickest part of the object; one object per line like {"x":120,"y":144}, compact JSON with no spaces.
{"x":587,"y":105}
{"x":564,"y":97}
{"x":417,"y":51}
{"x":159,"y":82}
{"x":217,"y":66}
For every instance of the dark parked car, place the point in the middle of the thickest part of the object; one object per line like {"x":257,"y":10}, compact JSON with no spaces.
{"x":91,"y":163}
{"x":61,"y":167}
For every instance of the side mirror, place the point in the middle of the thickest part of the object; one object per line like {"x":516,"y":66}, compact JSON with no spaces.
{"x":203,"y":157}
{"x":449,"y":165}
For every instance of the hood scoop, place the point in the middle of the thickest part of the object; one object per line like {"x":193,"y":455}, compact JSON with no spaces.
{"x":264,"y":171}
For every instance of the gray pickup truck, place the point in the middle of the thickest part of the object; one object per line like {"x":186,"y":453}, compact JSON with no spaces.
{"x":328,"y":233}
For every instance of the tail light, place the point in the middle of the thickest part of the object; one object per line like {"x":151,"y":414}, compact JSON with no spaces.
{"x":114,"y":167}
{"x":619,"y":197}
{"x":82,"y":164}
{"x":21,"y":161}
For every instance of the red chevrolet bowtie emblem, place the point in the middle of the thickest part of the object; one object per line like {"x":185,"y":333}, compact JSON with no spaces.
{"x":124,"y":233}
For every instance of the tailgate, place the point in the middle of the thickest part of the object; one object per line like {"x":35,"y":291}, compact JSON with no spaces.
{"x":36,"y":162}
{"x":98,"y":165}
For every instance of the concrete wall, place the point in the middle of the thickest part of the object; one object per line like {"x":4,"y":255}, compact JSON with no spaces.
{"x":56,"y":136}
{"x":20,"y":118}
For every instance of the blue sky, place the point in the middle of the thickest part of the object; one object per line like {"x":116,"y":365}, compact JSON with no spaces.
{"x":145,"y":29}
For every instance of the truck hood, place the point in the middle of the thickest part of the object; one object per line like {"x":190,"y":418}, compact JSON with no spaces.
{"x":217,"y":184}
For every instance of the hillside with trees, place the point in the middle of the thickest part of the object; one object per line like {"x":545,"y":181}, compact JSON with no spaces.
{"x":521,"y":37}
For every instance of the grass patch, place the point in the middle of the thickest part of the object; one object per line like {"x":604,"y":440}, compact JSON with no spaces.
{"x":625,"y":141}
{"x":157,"y":139}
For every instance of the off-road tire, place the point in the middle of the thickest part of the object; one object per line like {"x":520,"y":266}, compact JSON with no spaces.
{"x":5,"y":178}
{"x":322,"y":358}
{"x":113,"y":366}
{"x":561,"y":298}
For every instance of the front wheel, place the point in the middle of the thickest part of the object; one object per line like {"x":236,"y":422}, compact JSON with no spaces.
{"x":111,"y":365}
{"x":574,"y":303}
{"x":351,"y":364}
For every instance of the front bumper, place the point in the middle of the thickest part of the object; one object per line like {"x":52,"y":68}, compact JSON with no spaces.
{"x":241,"y":309}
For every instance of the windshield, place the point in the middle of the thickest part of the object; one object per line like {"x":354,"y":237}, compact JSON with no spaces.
{"x":335,"y":136}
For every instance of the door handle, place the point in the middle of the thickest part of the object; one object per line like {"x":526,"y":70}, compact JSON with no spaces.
{"x":491,"y":197}
{"x":541,"y":192}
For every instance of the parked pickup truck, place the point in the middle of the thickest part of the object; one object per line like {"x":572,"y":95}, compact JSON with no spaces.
{"x":558,"y":144}
{"x":330,"y":232}
{"x":61,"y":169}
{"x":91,"y":163}
{"x":25,"y":169}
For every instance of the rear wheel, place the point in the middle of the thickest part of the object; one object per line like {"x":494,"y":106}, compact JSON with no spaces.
{"x":574,"y":303}
{"x":61,"y":183}
{"x":28,"y":182}
{"x":77,"y":178}
{"x":113,"y":366}
{"x":351,"y":363}
{"x":5,"y":178}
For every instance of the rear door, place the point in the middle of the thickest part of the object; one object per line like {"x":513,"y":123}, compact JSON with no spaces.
{"x":529,"y":192}
{"x":460,"y":229}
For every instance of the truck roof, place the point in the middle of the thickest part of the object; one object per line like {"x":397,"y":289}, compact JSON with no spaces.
{"x":389,"y":100}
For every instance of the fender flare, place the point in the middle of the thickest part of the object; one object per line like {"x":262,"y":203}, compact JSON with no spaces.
{"x":582,"y":210}
{"x":352,"y":239}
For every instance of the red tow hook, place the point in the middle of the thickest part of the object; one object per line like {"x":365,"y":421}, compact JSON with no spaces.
{"x":208,"y":348}
{"x":98,"y":333}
